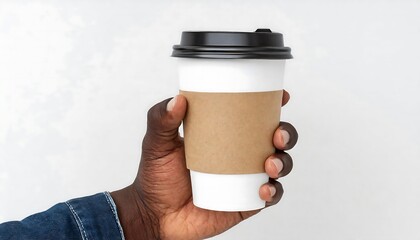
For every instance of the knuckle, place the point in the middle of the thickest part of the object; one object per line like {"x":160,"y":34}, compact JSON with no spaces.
{"x":152,"y":113}
{"x":287,"y":163}
{"x":154,"y":116}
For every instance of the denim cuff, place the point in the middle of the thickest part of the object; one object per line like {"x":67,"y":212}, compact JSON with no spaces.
{"x":96,"y":217}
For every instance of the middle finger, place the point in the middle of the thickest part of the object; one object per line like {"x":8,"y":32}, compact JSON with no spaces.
{"x":278,"y":165}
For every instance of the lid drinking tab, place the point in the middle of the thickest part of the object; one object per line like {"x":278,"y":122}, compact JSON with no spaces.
{"x":263,"y":30}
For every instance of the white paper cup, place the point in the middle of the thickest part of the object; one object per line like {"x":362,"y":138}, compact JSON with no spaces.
{"x":247,"y":70}
{"x":229,"y":192}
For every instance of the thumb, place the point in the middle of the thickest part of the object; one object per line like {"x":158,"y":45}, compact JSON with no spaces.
{"x":163,"y":121}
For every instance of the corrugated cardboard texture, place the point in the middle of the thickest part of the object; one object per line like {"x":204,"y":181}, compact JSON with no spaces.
{"x":230,"y":133}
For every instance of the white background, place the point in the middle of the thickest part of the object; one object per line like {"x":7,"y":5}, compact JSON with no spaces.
{"x":77,"y":77}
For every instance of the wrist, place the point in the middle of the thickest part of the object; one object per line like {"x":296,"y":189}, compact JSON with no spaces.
{"x":137,"y":219}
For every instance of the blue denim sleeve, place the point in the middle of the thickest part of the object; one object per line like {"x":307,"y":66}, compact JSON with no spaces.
{"x":87,"y":218}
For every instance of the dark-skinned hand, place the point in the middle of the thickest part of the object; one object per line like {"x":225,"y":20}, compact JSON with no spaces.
{"x":158,"y":204}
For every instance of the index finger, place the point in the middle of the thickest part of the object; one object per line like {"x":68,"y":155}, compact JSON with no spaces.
{"x":286,"y":97}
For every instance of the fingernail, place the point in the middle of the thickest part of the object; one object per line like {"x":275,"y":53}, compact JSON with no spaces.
{"x":285,"y":135}
{"x":279,"y":164}
{"x":272,"y":190}
{"x":171,"y":104}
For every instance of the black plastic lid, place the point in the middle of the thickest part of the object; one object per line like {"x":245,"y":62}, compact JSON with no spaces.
{"x":261,"y":44}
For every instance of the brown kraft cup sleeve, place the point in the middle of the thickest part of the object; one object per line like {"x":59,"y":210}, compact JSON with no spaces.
{"x":230,"y":133}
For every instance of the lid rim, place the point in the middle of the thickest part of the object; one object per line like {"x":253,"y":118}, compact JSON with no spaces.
{"x":229,"y":48}
{"x":232,"y":55}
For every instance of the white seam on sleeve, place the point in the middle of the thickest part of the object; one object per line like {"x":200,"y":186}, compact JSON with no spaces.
{"x":78,"y":221}
{"x":113,"y":209}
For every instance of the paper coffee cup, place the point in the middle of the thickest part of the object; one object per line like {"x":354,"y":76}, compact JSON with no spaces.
{"x":233,"y":83}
